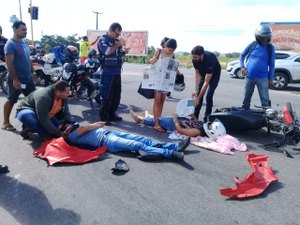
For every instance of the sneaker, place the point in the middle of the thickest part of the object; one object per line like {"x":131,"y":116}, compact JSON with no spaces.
{"x":177,"y":155}
{"x":184,"y":144}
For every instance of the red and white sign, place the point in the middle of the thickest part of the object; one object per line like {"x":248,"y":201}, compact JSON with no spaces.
{"x":136,"y":41}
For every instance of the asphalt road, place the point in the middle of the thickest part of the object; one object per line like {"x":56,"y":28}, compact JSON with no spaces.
{"x":165,"y":192}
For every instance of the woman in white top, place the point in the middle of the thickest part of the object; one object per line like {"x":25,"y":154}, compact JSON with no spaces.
{"x":169,"y":45}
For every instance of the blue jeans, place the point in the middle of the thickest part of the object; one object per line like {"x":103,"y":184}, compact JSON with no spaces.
{"x":29,"y":118}
{"x":165,"y":122}
{"x":263,"y":91}
{"x":117,"y":141}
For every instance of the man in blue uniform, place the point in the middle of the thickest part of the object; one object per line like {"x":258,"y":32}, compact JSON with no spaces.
{"x":207,"y":74}
{"x":111,"y":54}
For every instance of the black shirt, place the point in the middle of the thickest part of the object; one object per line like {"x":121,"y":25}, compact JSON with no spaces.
{"x":209,"y":65}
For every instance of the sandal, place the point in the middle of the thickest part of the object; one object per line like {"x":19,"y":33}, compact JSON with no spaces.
{"x":159,"y":129}
{"x":8,"y":127}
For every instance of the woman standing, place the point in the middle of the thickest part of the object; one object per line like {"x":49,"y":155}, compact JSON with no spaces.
{"x":169,"y":45}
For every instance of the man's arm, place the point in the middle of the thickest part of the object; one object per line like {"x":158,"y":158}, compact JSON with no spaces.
{"x":197,"y":82}
{"x":84,"y":129}
{"x":204,"y":87}
{"x":92,"y":43}
{"x":11,"y":70}
{"x":118,"y":43}
{"x":190,"y":132}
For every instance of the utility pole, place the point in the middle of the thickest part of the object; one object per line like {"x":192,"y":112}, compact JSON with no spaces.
{"x":32,"y":39}
{"x":20,"y":10}
{"x":97,"y":13}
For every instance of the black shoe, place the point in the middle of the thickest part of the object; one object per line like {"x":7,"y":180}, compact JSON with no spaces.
{"x":115,"y":117}
{"x":184,"y":144}
{"x":107,"y":122}
{"x":25,"y":132}
{"x":177,"y":155}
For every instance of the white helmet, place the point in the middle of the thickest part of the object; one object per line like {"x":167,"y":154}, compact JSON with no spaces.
{"x":214,"y":129}
{"x":49,"y":58}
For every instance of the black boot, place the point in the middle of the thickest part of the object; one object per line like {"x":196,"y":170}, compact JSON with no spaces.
{"x":103,"y":114}
{"x":177,"y":155}
{"x":115,"y":117}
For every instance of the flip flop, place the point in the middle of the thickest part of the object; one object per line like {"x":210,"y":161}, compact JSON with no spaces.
{"x":8,"y":127}
{"x":159,"y":129}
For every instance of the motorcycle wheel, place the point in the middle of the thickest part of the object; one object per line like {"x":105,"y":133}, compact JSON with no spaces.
{"x":41,"y":80}
{"x":3,"y":82}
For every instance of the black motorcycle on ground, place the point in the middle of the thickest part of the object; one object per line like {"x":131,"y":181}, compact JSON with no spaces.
{"x":285,"y":121}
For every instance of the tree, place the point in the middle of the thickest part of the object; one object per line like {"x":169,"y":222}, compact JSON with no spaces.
{"x":49,"y":41}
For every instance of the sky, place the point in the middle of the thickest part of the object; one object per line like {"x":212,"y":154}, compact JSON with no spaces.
{"x":218,"y":25}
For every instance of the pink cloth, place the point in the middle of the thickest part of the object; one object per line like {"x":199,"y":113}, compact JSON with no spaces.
{"x":224,"y":144}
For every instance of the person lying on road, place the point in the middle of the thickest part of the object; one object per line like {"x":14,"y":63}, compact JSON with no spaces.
{"x":95,"y":136}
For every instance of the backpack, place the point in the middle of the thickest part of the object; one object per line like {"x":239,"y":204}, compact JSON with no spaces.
{"x":252,"y":47}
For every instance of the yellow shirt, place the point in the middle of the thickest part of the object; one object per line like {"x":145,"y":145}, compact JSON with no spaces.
{"x":84,"y":48}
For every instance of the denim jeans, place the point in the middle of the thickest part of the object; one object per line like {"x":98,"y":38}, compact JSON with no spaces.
{"x":263,"y":91}
{"x":29,"y":118}
{"x":165,"y":122}
{"x":117,"y":141}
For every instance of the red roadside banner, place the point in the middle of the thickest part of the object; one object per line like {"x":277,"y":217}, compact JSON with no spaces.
{"x":136,"y":41}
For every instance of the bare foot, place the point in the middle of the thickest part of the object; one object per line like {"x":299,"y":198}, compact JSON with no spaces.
{"x":147,"y":114}
{"x":136,"y":117}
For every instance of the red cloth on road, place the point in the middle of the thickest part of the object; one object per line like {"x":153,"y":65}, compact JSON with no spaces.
{"x":58,"y":150}
{"x":256,"y":182}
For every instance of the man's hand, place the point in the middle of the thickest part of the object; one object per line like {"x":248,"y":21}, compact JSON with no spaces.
{"x":196,"y":102}
{"x":175,"y":118}
{"x":244,"y":71}
{"x":16,"y":84}
{"x":126,"y":50}
{"x":120,"y":42}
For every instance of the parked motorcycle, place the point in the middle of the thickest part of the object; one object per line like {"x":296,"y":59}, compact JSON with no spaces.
{"x":47,"y":70}
{"x":3,"y":76}
{"x":81,"y":86}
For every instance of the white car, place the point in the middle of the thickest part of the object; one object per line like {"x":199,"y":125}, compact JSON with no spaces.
{"x":286,"y":71}
{"x":234,"y":69}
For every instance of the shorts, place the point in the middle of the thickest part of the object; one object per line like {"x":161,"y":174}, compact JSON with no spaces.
{"x":161,"y":92}
{"x":13,"y":93}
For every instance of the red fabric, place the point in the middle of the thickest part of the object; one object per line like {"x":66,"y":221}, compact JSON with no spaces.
{"x":256,"y":182}
{"x":57,"y":150}
{"x":287,"y":117}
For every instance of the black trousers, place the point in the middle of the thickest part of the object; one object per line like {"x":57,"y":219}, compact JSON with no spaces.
{"x":213,"y":84}
{"x":110,"y":94}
